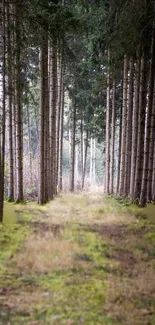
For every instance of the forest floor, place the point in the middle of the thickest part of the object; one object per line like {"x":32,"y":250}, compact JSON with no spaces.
{"x":81,"y":259}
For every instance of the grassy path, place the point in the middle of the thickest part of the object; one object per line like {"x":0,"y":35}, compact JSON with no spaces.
{"x":82,"y":259}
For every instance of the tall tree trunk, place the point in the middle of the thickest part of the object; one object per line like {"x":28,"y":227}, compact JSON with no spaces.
{"x":2,"y":142}
{"x":72,"y":167}
{"x":14,"y":103}
{"x":153,"y":177}
{"x":143,"y":194}
{"x":46,"y":127}
{"x":119,"y":150}
{"x":61,"y":137}
{"x":19,"y":132}
{"x":135,"y":126}
{"x":15,"y":140}
{"x":107,"y":148}
{"x":91,"y":160}
{"x":10,"y":107}
{"x":54,"y":103}
{"x":29,"y":144}
{"x":59,"y":111}
{"x":141,"y":129}
{"x":77,"y":163}
{"x":124,"y":125}
{"x":129,"y":131}
{"x":43,"y":67}
{"x":94,"y":161}
{"x":151,"y":151}
{"x":82,"y":147}
{"x":112,"y":138}
{"x":85,"y":159}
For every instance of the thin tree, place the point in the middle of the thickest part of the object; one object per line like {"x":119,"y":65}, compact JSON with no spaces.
{"x":19,"y":133}
{"x":107,"y":139}
{"x":113,"y":137}
{"x":129,"y":130}
{"x":141,"y":128}
{"x":143,"y":195}
{"x":72,"y":158}
{"x":124,"y":125}
{"x":135,"y":125}
{"x":10,"y":104}
{"x":2,"y":135}
{"x":43,"y":65}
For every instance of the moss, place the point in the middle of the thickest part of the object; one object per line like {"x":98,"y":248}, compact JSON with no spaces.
{"x":150,"y":236}
{"x":79,"y":294}
{"x":23,"y":202}
{"x":12,"y":235}
{"x":95,"y":289}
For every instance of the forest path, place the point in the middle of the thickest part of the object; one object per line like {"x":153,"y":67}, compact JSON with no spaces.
{"x":81,"y":259}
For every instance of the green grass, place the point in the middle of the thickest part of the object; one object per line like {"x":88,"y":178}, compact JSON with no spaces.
{"x":82,"y":259}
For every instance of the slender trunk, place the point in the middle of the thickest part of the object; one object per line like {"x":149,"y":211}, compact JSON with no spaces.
{"x":124,"y":125}
{"x":141,"y":130}
{"x":43,"y":63}
{"x":19,"y":138}
{"x":77,"y":163}
{"x":85,"y":159}
{"x":143,"y":195}
{"x":14,"y":104}
{"x":2,"y":144}
{"x":60,"y":89}
{"x":14,"y":141}
{"x":94,"y":161}
{"x":54,"y":103}
{"x":61,"y":138}
{"x":153,"y":177}
{"x":29,"y":144}
{"x":72,"y":169}
{"x":129,"y":131}
{"x":151,"y":151}
{"x":91,"y":159}
{"x":112,"y":138}
{"x":10,"y":108}
{"x":135,"y":127}
{"x":82,"y":147}
{"x":46,"y":125}
{"x":119,"y":150}
{"x":107,"y":149}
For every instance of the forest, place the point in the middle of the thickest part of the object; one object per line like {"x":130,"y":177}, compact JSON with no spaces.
{"x":77,"y":162}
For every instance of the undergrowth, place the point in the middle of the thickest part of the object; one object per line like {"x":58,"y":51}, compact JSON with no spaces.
{"x":82,"y":259}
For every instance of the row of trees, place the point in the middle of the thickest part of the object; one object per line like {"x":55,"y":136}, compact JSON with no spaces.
{"x":82,"y":72}
{"x":136,"y":160}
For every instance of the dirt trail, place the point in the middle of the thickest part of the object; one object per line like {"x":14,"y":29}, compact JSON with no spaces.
{"x":82,"y":259}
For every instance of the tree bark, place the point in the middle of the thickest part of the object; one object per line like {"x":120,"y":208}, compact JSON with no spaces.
{"x":135,"y":127}
{"x":85,"y":159}
{"x":113,"y":137}
{"x":10,"y":107}
{"x":129,"y":131}
{"x":124,"y":125}
{"x":107,"y":149}
{"x":61,"y":138}
{"x":141,"y":129}
{"x":54,"y":104}
{"x":43,"y":67}
{"x":2,"y":142}
{"x":72,"y":168}
{"x":19,"y":133}
{"x":143,"y":195}
{"x":119,"y":150}
{"x":59,"y":107}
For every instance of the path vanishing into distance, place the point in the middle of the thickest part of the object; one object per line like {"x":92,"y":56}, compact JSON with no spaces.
{"x":81,"y":259}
